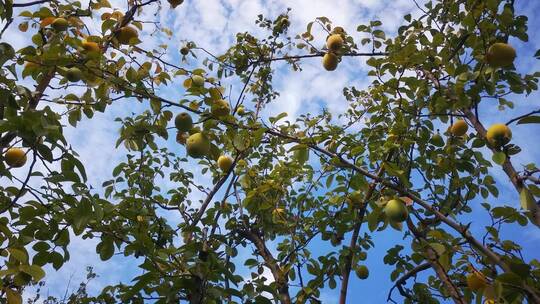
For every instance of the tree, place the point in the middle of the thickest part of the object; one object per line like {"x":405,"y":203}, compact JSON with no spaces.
{"x":312,"y":180}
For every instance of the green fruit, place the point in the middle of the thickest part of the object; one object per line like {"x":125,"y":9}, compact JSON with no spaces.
{"x":74,"y":74}
{"x":197,"y":145}
{"x":501,"y":55}
{"x":126,"y":33}
{"x":356,"y":197}
{"x":220,"y":108}
{"x":183,"y":122}
{"x":437,"y":140}
{"x":197,"y":81}
{"x":59,"y":24}
{"x":396,"y":210}
{"x":241,"y":110}
{"x":362,"y":272}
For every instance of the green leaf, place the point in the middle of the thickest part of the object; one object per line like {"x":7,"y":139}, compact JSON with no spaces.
{"x":529,"y":120}
{"x":34,"y":270}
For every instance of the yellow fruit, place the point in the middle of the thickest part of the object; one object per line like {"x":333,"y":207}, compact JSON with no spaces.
{"x":126,"y":33}
{"x":241,"y":110}
{"x":90,"y":46}
{"x":15,"y":157}
{"x":73,"y":74}
{"x":362,"y":272}
{"x":220,"y":108}
{"x":330,"y":61}
{"x":396,"y":210}
{"x":181,"y":137}
{"x":476,"y":281}
{"x":197,"y":145}
{"x":175,"y":3}
{"x":501,"y":55}
{"x":59,"y":24}
{"x":184,"y":50}
{"x":334,"y":42}
{"x":183,"y":122}
{"x":437,"y":140}
{"x":224,"y":163}
{"x":459,"y":128}
{"x":499,"y":135}
{"x":197,"y":81}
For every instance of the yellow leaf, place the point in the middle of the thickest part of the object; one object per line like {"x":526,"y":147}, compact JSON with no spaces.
{"x":13,"y":297}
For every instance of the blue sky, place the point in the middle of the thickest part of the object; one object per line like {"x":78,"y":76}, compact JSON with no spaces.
{"x":212,"y":25}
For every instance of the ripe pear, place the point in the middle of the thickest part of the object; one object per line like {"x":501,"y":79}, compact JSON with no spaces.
{"x":334,"y":42}
{"x":330,"y":61}
{"x":197,"y":81}
{"x":15,"y":157}
{"x":499,"y":135}
{"x":126,"y":33}
{"x":197,"y":145}
{"x":60,"y":24}
{"x":476,"y":281}
{"x":396,"y":210}
{"x":220,"y":108}
{"x":362,"y":272}
{"x":183,"y":122}
{"x":74,"y":74}
{"x":225,"y":163}
{"x":459,"y":128}
{"x":90,"y":46}
{"x":500,"y":55}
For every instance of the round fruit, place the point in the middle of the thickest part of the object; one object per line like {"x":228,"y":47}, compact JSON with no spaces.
{"x":197,"y":80}
{"x":437,"y":140}
{"x":501,"y":55}
{"x":15,"y":157}
{"x":334,"y":42}
{"x":459,"y":128}
{"x":356,"y":197}
{"x":126,"y":33}
{"x":184,"y":50}
{"x":91,"y":47}
{"x":59,"y":24}
{"x":476,"y":281}
{"x":396,"y":210}
{"x":499,"y":135}
{"x":225,"y":163}
{"x":241,"y":110}
{"x":73,"y":74}
{"x":183,"y":122}
{"x":181,"y":137}
{"x":362,"y":272}
{"x":220,"y":108}
{"x":338,"y":30}
{"x":330,"y":61}
{"x":197,"y":145}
